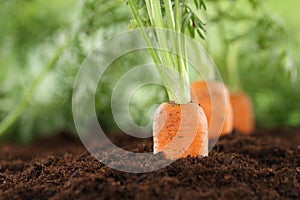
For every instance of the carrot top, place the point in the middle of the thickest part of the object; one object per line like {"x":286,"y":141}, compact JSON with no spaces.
{"x":170,"y":19}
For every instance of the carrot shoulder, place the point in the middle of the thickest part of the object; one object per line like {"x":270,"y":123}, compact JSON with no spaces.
{"x":213,"y":96}
{"x":180,"y":130}
{"x":243,"y":115}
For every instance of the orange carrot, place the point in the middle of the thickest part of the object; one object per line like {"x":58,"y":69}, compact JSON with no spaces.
{"x":180,"y":130}
{"x":214,"y":98}
{"x":243,"y":116}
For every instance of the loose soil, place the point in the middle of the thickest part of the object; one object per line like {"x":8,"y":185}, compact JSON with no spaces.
{"x":265,"y":165}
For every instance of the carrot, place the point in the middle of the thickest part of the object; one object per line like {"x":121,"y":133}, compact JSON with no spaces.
{"x":243,"y":116}
{"x":214,"y":98}
{"x":180,"y":130}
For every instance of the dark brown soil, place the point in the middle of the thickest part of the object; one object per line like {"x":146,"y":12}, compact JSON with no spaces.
{"x":265,"y":165}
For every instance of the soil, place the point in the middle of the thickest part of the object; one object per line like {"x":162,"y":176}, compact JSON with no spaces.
{"x":265,"y":165}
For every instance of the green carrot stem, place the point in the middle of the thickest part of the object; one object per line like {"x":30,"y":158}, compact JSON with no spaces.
{"x":161,"y":37}
{"x":151,"y":51}
{"x":166,"y":60}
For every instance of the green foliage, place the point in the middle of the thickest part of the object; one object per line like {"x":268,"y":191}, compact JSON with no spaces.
{"x":32,"y":32}
{"x":255,"y":53}
{"x":41,"y":97}
{"x":247,"y":30}
{"x":26,"y":23}
{"x":28,"y":41}
{"x":189,"y":21}
{"x":176,"y":16}
{"x":36,"y":98}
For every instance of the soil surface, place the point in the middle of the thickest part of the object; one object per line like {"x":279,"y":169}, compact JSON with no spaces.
{"x":265,"y":165}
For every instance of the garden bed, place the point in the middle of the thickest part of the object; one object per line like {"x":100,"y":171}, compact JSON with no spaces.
{"x":265,"y":165}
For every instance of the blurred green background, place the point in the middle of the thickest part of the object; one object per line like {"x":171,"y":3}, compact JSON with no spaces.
{"x":33,"y":31}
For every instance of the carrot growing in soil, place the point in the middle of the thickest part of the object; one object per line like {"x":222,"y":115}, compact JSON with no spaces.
{"x":243,"y":29}
{"x":214,"y":98}
{"x":243,"y":110}
{"x":179,"y":127}
{"x":243,"y":119}
{"x":242,"y":113}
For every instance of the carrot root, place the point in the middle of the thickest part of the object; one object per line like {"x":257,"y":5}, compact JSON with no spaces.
{"x":243,"y":115}
{"x":214,"y":98}
{"x":180,"y":130}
